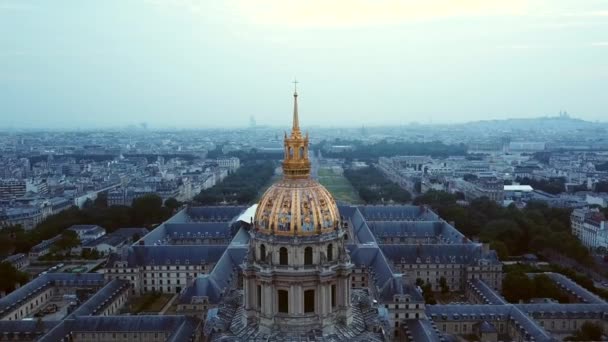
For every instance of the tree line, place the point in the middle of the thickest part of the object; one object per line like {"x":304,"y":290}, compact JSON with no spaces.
{"x":240,"y":187}
{"x":511,"y":231}
{"x":144,"y":211}
{"x":371,"y":152}
{"x":374,"y":188}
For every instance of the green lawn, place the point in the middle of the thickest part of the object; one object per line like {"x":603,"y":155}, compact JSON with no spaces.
{"x":153,"y":302}
{"x":339,"y":186}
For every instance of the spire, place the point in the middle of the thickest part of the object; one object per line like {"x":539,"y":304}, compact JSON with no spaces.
{"x":296,"y":163}
{"x":296,"y":119}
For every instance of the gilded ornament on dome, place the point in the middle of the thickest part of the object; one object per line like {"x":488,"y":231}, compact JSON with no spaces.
{"x":306,"y":223}
{"x":285,"y":216}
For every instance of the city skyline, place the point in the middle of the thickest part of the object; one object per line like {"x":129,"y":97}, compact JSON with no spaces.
{"x":187,"y":64}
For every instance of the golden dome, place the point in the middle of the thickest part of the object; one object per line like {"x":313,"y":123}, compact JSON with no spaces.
{"x":297,"y":204}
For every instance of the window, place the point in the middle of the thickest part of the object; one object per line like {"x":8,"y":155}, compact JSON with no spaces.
{"x":283,"y":257}
{"x":330,"y":252}
{"x":309,"y":301}
{"x":259,"y":296}
{"x":262,"y":253}
{"x":308,"y":256}
{"x":333,"y":296}
{"x":283,"y":301}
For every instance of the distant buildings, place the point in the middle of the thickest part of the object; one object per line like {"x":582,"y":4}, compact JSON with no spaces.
{"x":591,"y":228}
{"x":19,"y":261}
{"x":43,"y":248}
{"x":87,"y":232}
{"x":232,"y":163}
{"x":12,"y":188}
{"x":484,"y":184}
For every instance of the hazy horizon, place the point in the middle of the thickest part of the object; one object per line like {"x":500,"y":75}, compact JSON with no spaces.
{"x":71,"y":64}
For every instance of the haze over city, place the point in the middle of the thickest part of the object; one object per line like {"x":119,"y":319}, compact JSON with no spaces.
{"x":197,"y":64}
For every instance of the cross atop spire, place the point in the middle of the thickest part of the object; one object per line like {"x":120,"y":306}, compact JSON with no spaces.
{"x":295,"y":86}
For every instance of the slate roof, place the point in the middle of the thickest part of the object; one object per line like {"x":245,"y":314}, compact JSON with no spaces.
{"x":175,"y":326}
{"x":215,"y":284}
{"x":174,"y":254}
{"x":44,"y":281}
{"x":566,"y":283}
{"x":387,"y":282}
{"x":218,"y":213}
{"x":422,"y":330}
{"x":434,"y":253}
{"x":102,"y":297}
{"x":487,"y":293}
{"x":417,"y":229}
{"x":489,"y":312}
{"x":397,"y":212}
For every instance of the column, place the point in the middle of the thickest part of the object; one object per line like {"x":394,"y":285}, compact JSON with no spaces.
{"x":268,"y":303}
{"x":293,"y":300}
{"x":247,"y":294}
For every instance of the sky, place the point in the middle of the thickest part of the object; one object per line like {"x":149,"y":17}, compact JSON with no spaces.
{"x":201,"y":63}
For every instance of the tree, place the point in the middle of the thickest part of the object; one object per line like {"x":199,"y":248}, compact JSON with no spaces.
{"x":172,"y":203}
{"x":501,"y":249}
{"x":545,"y":287}
{"x":589,"y":331}
{"x":10,"y":277}
{"x":69,"y":239}
{"x":147,"y":209}
{"x":517,"y":286}
{"x":101,"y":201}
{"x":443,"y":283}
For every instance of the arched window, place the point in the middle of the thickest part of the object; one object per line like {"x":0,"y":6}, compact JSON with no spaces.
{"x":302,"y":152}
{"x":309,"y":301}
{"x":308,"y":256}
{"x":283,"y":301}
{"x":262,"y":253}
{"x":283,"y":257}
{"x":330,"y":252}
{"x":290,"y":153}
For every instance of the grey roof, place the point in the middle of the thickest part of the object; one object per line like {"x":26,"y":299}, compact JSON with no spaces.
{"x":360,"y":228}
{"x":387,"y":283}
{"x":492,"y":312}
{"x":87,"y":228}
{"x":217,"y":213}
{"x":397,"y":212}
{"x":566,"y":283}
{"x":469,"y":253}
{"x":25,"y":327}
{"x":486,"y":292}
{"x":45,"y":244}
{"x":215,"y":284}
{"x":421,"y":330}
{"x":417,"y":229}
{"x":174,"y":254}
{"x":487,"y":327}
{"x":44,"y":281}
{"x":14,"y":257}
{"x":173,"y":325}
{"x":102,"y":297}
{"x":567,"y":310}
